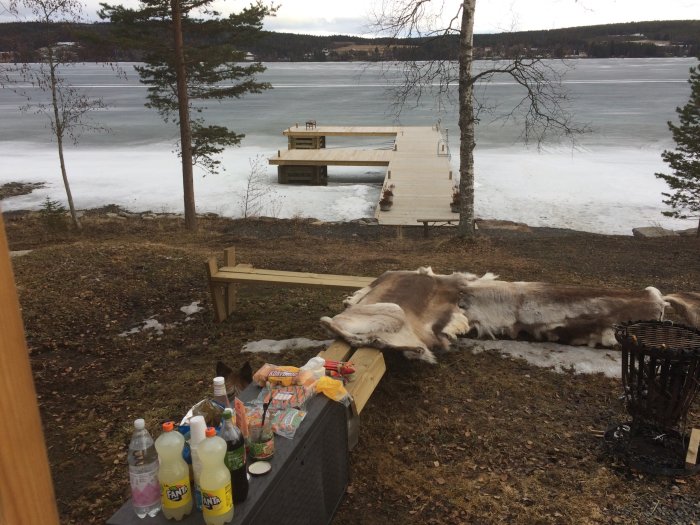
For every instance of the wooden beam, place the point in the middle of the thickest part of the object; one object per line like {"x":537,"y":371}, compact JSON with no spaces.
{"x":369,"y":368}
{"x":218,"y":298}
{"x":691,"y":457}
{"x":230,"y":260}
{"x":248,"y":269}
{"x":339,"y":350}
{"x":26,"y":489}
{"x":288,"y":280}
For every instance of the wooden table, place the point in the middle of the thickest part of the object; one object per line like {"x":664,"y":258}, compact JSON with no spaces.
{"x":308,"y":478}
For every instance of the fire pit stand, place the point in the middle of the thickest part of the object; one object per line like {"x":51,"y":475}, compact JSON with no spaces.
{"x":661,"y":377}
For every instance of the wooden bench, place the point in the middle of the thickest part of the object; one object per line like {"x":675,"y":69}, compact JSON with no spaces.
{"x":436,"y":222}
{"x":222,"y":281}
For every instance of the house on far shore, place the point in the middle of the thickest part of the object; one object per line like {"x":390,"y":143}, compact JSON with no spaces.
{"x":249,"y":57}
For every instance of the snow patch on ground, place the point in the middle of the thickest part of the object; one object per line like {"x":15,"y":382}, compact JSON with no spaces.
{"x":153,"y":324}
{"x":270,"y":346}
{"x":560,"y":358}
{"x":191,"y":309}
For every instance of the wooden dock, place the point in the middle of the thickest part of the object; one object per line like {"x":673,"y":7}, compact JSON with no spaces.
{"x":418,"y":166}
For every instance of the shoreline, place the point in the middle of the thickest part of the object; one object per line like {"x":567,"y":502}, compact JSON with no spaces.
{"x":120,"y":213}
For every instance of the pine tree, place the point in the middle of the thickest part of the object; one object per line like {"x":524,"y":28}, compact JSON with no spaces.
{"x":685,"y":159}
{"x":191,"y":53}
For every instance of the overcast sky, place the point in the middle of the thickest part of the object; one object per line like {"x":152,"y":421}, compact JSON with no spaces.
{"x":351,"y":17}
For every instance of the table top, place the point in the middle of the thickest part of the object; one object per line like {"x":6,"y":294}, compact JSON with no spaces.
{"x":259,"y":486}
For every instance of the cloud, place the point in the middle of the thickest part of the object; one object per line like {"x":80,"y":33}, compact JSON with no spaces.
{"x":318,"y":26}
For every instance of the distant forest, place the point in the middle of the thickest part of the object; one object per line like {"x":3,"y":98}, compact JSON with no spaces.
{"x":88,"y":42}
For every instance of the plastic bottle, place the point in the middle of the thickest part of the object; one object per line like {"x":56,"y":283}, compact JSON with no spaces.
{"x":173,"y":474}
{"x":235,"y":459}
{"x":143,"y":472}
{"x":220,"y":395}
{"x":215,"y":481}
{"x":197,"y":436}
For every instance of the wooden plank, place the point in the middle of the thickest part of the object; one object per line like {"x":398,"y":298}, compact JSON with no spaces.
{"x":217,"y":291}
{"x":248,"y":269}
{"x":332,"y":157}
{"x":318,"y":280}
{"x":369,"y":368}
{"x":26,"y":489}
{"x":342,"y":131}
{"x":691,"y":457}
{"x":339,"y":350}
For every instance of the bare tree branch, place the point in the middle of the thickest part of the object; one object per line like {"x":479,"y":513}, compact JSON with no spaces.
{"x":542,"y":108}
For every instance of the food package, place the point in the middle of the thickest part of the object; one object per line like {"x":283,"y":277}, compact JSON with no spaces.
{"x":241,"y":418}
{"x":284,"y":422}
{"x":294,"y":396}
{"x":276,"y":375}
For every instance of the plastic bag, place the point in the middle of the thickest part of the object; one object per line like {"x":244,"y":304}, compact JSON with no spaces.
{"x":282,"y":397}
{"x":284,"y":422}
{"x":333,"y":388}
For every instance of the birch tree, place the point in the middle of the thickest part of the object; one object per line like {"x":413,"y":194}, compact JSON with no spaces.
{"x":541,"y":109}
{"x":67,"y":109}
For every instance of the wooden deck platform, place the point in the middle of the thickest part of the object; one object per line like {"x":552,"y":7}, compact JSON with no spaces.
{"x":342,"y":131}
{"x":418,"y":166}
{"x":333,"y":157}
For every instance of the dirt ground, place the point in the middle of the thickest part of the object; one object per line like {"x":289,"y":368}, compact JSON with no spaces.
{"x":475,"y":439}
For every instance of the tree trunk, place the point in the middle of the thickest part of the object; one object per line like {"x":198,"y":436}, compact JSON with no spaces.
{"x":466,"y":121}
{"x":184,"y":113}
{"x":697,"y":233}
{"x":58,"y":131}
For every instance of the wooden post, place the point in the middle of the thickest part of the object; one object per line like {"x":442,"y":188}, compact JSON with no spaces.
{"x":230,"y":260}
{"x":691,"y":457}
{"x":26,"y":489}
{"x":218,"y":298}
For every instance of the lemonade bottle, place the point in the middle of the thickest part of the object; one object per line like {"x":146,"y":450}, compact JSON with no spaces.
{"x":215,"y":480}
{"x":173,"y":475}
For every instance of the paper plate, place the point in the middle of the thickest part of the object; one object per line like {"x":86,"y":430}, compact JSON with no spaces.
{"x":259,"y":468}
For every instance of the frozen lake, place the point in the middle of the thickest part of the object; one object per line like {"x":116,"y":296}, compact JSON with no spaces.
{"x":606,"y":184}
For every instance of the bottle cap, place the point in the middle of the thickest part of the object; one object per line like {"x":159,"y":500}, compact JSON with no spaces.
{"x":168,"y":426}
{"x":139,"y":424}
{"x":219,"y":386}
{"x":197,"y":429}
{"x":211,"y":432}
{"x":228,"y":413}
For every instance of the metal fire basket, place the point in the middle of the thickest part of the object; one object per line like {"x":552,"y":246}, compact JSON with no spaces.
{"x":660,"y":372}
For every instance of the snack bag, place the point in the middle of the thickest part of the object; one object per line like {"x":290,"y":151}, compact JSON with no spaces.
{"x":295,"y":396}
{"x":278,"y":375}
{"x":283,"y":375}
{"x":286,"y":422}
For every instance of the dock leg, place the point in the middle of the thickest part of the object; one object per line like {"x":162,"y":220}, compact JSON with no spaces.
{"x":426,"y":231}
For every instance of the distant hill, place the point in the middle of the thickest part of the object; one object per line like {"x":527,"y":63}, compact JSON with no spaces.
{"x":22,"y":41}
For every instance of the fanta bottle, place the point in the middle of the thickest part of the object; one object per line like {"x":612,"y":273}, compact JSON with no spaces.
{"x":215,"y":480}
{"x":173,"y":475}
